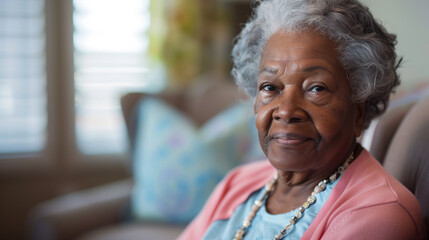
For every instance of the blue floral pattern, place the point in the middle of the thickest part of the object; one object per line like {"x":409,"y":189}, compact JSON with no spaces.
{"x":176,"y":165}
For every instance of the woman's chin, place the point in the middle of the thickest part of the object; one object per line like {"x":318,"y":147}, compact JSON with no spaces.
{"x":292,"y":155}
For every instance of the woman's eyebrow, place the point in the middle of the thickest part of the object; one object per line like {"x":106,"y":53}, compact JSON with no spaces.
{"x":315,"y":68}
{"x":269,"y":70}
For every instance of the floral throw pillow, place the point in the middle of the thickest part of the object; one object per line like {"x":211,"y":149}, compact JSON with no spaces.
{"x":176,"y":165}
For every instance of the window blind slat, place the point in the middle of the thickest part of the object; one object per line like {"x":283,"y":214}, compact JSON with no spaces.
{"x":110,"y":45}
{"x":24,"y":27}
{"x":22,"y":76}
{"x":23,"y":8}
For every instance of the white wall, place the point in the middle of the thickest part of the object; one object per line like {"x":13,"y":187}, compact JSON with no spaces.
{"x":409,"y":19}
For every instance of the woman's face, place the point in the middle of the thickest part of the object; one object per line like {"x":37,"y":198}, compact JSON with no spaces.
{"x":305,"y":116}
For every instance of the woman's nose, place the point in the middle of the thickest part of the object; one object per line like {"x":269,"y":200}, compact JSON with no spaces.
{"x":290,"y":108}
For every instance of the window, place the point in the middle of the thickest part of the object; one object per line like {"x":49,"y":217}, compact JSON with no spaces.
{"x":110,"y":45}
{"x":22,"y":76}
{"x":91,"y":66}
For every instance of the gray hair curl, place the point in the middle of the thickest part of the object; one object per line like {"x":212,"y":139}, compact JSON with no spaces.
{"x":367,"y":50}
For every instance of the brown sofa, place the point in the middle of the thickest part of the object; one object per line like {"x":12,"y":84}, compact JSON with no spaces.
{"x":102,"y":212}
{"x":400,"y":141}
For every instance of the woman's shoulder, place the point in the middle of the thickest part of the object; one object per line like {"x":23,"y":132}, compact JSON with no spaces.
{"x":369,"y":196}
{"x":368,"y":179}
{"x":235,"y":188}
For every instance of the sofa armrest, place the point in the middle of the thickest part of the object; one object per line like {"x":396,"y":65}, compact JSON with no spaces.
{"x":73,"y":214}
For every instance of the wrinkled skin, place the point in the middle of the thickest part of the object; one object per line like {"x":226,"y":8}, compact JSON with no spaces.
{"x":305,"y":116}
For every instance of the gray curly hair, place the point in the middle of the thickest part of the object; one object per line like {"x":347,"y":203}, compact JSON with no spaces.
{"x":367,"y":50}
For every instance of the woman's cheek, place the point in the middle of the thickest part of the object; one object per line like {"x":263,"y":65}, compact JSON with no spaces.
{"x":263,"y":115}
{"x":329,"y":121}
{"x":263,"y":129}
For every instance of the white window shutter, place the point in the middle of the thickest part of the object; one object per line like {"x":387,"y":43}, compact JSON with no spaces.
{"x":110,"y":48}
{"x":23,"y":113}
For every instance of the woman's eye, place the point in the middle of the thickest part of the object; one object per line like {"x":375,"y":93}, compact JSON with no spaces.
{"x":317,"y":89}
{"x":269,"y":88}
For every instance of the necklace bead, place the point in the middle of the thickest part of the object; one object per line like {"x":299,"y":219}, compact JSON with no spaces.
{"x":298,"y":214}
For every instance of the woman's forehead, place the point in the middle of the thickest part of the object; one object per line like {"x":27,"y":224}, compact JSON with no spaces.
{"x":299,"y":52}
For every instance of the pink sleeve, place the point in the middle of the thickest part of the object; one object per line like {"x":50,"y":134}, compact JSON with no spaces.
{"x":232,"y":191}
{"x":383,"y":222}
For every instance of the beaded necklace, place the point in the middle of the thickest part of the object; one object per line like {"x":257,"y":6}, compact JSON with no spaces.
{"x":300,"y":211}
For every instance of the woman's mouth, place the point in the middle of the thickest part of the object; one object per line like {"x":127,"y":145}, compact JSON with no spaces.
{"x":289,"y":139}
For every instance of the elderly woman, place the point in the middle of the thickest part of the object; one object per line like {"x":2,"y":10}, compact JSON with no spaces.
{"x":319,"y":71}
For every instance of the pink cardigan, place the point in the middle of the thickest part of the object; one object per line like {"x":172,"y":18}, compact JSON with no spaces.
{"x":367,"y":203}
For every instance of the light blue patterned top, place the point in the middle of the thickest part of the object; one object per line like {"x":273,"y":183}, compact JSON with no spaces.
{"x":266,"y":225}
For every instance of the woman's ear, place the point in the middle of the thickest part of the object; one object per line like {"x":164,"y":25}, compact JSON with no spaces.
{"x":360,"y":116}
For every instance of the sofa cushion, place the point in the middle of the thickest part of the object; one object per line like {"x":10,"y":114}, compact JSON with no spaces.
{"x":177,"y":165}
